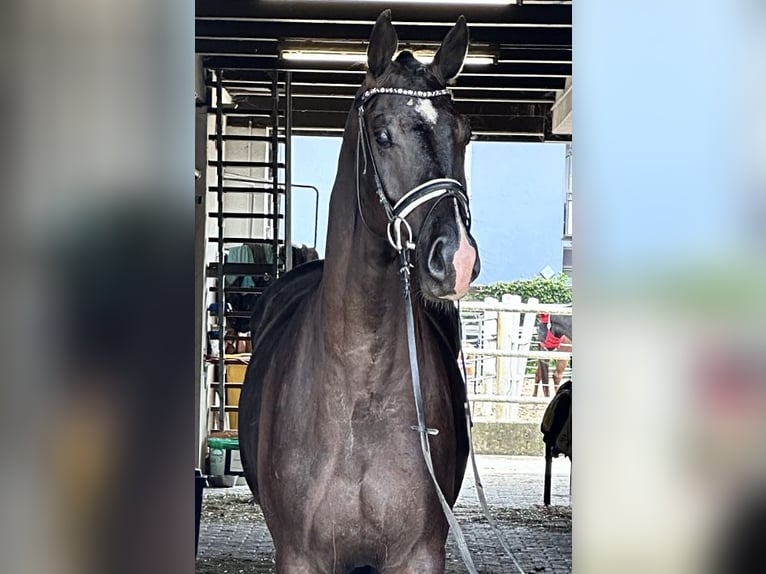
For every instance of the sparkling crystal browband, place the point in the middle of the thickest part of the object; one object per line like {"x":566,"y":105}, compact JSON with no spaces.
{"x":402,"y":92}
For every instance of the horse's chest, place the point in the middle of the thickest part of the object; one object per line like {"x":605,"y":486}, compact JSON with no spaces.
{"x":376,"y":488}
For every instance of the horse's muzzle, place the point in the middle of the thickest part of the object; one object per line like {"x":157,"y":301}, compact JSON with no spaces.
{"x":451,"y":263}
{"x":465,"y":262}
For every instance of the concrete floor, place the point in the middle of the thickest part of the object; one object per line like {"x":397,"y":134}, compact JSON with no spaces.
{"x":234,"y":538}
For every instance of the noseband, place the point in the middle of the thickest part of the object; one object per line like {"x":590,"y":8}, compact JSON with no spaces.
{"x":432,"y":190}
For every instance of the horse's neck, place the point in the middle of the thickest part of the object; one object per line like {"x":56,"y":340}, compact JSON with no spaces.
{"x":562,"y":324}
{"x":361,"y":292}
{"x":360,"y":297}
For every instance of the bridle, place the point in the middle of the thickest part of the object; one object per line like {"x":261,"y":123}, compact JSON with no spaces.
{"x":434,"y":190}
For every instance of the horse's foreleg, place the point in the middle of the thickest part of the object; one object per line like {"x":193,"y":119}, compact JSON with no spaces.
{"x":423,"y":559}
{"x":293,"y":562}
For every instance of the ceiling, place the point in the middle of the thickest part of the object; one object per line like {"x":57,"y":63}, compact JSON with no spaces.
{"x":522,"y":96}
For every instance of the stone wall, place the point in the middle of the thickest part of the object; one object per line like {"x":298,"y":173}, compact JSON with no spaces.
{"x":517,"y":439}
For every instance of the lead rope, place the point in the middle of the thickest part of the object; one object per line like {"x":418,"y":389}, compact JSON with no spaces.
{"x":476,"y":477}
{"x":424,"y":431}
{"x":421,"y":428}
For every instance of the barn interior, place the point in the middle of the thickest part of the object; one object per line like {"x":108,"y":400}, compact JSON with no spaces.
{"x":267,"y":71}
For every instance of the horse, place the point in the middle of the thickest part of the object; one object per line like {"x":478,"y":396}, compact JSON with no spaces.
{"x":553,"y":331}
{"x":327,"y":412}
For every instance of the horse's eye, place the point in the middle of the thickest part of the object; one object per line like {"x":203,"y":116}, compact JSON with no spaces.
{"x":383,"y":138}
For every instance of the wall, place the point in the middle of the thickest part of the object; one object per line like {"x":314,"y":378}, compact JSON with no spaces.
{"x":236,"y":202}
{"x":512,"y":439}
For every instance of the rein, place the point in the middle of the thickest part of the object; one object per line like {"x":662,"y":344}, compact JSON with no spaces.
{"x":432,"y":190}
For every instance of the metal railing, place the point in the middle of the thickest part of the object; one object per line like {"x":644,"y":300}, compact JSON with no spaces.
{"x":499,"y":341}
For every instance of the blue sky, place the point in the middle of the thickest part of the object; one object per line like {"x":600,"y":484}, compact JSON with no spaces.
{"x":517,"y":199}
{"x":517,"y":204}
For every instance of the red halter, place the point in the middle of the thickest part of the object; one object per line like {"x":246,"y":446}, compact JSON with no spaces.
{"x":551,"y":341}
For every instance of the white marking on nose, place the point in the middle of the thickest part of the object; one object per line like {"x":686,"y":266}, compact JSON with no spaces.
{"x":427,"y":110}
{"x":463,"y":260}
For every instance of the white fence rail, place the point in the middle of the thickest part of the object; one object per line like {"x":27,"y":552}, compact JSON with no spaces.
{"x":497,"y":336}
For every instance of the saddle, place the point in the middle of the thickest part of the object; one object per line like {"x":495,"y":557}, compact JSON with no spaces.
{"x":556,"y":425}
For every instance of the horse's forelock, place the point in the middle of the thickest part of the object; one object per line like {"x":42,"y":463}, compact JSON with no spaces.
{"x":409,"y":74}
{"x":408,"y":61}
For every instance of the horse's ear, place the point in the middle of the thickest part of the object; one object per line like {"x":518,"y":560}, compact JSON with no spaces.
{"x":449,"y":58}
{"x":383,"y":44}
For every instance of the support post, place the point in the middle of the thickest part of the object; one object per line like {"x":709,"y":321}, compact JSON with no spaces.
{"x":275,"y":167}
{"x":288,"y":171}
{"x":221,"y":291}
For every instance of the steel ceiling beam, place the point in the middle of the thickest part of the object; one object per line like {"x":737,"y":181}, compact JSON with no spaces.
{"x":560,"y":55}
{"x":367,"y":12}
{"x":508,"y":101}
{"x":346,"y":92}
{"x":253,"y":104}
{"x":538,"y":37}
{"x":354,"y":79}
{"x":256,"y":62}
{"x":271,"y":48}
{"x":311,"y":120}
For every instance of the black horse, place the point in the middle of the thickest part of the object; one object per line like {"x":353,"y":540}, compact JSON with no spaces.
{"x":327,"y":411}
{"x":552,"y":331}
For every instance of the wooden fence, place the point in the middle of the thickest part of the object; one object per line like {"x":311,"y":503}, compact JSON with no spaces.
{"x":497,"y":340}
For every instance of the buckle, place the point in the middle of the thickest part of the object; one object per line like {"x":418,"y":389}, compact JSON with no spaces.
{"x":430,"y":431}
{"x":396,"y":239}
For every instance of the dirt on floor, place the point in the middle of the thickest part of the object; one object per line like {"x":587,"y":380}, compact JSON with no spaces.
{"x":234,"y":538}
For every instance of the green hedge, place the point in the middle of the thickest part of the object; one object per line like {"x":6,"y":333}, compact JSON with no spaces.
{"x":549,"y":291}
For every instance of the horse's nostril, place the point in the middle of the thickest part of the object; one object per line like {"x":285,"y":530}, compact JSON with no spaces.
{"x":437,"y":266}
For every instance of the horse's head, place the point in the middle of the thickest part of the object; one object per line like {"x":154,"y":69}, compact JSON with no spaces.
{"x":415,"y":140}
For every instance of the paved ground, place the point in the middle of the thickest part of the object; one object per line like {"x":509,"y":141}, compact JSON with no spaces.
{"x":234,"y":538}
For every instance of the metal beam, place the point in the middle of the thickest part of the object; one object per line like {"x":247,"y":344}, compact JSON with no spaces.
{"x":257,"y":62}
{"x":336,"y":120}
{"x":508,"y":124}
{"x":538,"y":37}
{"x":344,"y":105}
{"x":559,"y":55}
{"x":367,"y":12}
{"x":271,"y":48}
{"x":207,"y":47}
{"x":489,"y":136}
{"x":354,"y":79}
{"x":460,"y":94}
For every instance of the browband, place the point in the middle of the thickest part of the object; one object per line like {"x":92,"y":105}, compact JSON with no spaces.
{"x":363,"y":98}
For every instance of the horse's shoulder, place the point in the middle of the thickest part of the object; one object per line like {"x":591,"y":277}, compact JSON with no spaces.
{"x":445,"y":323}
